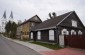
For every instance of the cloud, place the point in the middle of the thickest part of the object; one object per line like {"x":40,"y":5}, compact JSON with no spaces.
{"x":24,"y":9}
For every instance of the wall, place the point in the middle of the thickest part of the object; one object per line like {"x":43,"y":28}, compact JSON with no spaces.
{"x":25,"y":30}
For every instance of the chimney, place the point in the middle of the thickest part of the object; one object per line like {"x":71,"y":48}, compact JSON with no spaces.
{"x":50,"y":16}
{"x":54,"y":14}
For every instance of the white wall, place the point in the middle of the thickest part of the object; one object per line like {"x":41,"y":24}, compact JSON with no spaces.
{"x":61,"y":40}
{"x":3,"y":24}
{"x":39,"y":35}
{"x":31,"y":35}
{"x":51,"y":34}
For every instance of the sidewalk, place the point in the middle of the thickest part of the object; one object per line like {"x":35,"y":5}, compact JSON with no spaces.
{"x":35,"y":47}
{"x":65,"y":51}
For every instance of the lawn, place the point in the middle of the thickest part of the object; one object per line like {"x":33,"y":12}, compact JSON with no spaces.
{"x":51,"y":46}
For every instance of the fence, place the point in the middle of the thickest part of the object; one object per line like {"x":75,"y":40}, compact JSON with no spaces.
{"x":75,"y":41}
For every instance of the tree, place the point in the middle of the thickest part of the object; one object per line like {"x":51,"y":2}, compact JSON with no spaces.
{"x":8,"y":27}
{"x":11,"y":28}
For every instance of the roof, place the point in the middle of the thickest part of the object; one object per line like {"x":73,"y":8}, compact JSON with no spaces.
{"x":32,"y":20}
{"x":51,"y":23}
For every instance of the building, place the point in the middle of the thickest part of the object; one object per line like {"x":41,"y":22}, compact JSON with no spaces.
{"x":24,"y":28}
{"x":65,"y":24}
{"x":11,"y":17}
{"x":19,"y":32}
{"x":3,"y":23}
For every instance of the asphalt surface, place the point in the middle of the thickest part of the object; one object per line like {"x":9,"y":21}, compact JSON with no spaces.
{"x":8,"y":47}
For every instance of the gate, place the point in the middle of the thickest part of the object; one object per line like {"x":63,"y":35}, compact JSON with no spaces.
{"x":75,"y":41}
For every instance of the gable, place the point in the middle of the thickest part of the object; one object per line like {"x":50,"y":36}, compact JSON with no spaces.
{"x":35,"y":19}
{"x":32,"y":19}
{"x":72,"y":21}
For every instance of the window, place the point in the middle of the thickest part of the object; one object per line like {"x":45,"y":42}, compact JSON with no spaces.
{"x":27,"y":33}
{"x":79,"y":32}
{"x":74,"y":23}
{"x":65,"y":32}
{"x":51,"y":34}
{"x":21,"y":32}
{"x":33,"y":24}
{"x":73,"y":32}
{"x":39,"y":35}
{"x":31,"y":35}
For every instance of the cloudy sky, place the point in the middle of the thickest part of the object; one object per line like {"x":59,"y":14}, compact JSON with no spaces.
{"x":24,"y":9}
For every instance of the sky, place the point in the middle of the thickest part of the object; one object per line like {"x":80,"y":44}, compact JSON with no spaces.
{"x":25,"y":9}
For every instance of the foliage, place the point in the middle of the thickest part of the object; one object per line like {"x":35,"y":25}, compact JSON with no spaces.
{"x":11,"y":28}
{"x":8,"y":27}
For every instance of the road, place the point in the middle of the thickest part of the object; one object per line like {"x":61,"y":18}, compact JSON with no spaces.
{"x":8,"y":47}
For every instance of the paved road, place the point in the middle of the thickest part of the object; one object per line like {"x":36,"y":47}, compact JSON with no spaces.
{"x":8,"y":47}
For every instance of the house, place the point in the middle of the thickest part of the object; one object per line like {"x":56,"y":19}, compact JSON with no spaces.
{"x":24,"y":28}
{"x":19,"y":32}
{"x":65,"y":24}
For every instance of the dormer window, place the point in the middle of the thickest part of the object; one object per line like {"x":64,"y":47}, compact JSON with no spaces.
{"x":74,"y":23}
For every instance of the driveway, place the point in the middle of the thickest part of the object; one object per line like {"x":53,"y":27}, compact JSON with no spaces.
{"x":8,"y":47}
{"x":65,"y":51}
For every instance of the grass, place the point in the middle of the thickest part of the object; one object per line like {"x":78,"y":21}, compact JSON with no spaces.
{"x":51,"y":46}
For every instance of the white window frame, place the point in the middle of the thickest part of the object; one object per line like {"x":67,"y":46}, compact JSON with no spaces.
{"x":39,"y":35}
{"x":51,"y":35}
{"x":31,"y":35}
{"x":73,"y":32}
{"x":80,"y":32}
{"x":74,"y":23}
{"x":65,"y":30}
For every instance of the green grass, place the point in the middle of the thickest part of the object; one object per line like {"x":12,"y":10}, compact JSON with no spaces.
{"x":51,"y":46}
